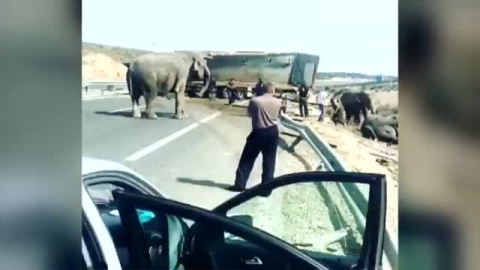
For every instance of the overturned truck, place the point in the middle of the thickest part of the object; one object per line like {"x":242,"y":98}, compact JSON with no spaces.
{"x":287,"y":70}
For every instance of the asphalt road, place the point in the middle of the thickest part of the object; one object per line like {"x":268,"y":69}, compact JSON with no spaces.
{"x":184,"y":158}
{"x":193,"y":160}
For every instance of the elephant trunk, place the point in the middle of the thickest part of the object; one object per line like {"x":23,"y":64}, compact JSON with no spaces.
{"x":206,"y":82}
{"x":206,"y":78}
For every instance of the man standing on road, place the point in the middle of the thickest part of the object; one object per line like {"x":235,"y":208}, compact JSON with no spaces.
{"x":231,"y":91}
{"x":303,"y":101}
{"x":321,"y":100}
{"x":259,"y":88}
{"x":264,"y":111}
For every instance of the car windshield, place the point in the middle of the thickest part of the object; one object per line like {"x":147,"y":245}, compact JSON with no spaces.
{"x":155,"y":114}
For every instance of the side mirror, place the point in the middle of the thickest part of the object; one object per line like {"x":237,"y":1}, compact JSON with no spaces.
{"x":246,"y":219}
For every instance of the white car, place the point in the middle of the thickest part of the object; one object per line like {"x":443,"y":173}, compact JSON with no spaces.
{"x":128,"y":223}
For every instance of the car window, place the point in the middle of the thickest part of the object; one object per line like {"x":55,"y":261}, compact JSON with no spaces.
{"x":166,"y":247}
{"x":311,"y":216}
{"x":155,"y":232}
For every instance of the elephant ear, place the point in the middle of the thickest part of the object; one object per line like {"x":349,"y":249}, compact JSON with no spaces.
{"x":198,"y":61}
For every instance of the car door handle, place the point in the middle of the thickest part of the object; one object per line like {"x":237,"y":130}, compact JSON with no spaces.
{"x":253,"y":261}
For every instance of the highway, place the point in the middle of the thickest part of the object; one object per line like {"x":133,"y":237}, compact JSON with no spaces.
{"x":193,"y":160}
{"x":184,"y":158}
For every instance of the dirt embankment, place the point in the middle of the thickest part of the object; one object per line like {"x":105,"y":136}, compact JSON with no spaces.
{"x":99,"y":67}
{"x":363,"y":155}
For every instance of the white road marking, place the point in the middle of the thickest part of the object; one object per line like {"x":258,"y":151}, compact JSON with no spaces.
{"x":149,"y":149}
{"x":243,"y":102}
{"x":155,"y":146}
{"x":124,"y":109}
{"x":208,"y":118}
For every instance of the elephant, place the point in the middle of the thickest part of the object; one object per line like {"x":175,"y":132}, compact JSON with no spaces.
{"x":382,"y":128}
{"x":160,"y":74}
{"x":355,"y":103}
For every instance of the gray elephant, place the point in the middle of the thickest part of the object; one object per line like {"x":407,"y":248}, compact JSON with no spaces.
{"x":355,"y":104}
{"x":381,"y":128}
{"x":160,"y":74}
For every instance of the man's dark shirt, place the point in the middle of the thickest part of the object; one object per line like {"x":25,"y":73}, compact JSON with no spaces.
{"x":303,"y":92}
{"x":259,"y":89}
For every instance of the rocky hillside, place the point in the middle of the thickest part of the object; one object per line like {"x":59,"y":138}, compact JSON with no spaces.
{"x":117,"y":54}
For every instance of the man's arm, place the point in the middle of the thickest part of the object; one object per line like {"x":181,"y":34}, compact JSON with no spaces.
{"x":250,"y":108}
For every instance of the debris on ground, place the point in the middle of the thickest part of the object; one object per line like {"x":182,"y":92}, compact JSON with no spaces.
{"x":362,"y":155}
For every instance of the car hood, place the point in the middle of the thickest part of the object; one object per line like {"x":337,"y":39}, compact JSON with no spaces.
{"x":93,"y":165}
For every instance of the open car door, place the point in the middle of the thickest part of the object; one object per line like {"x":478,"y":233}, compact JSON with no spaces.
{"x":314,"y":212}
{"x":144,"y":216}
{"x":297,"y":221}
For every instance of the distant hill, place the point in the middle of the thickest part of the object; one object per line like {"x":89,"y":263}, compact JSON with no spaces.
{"x":331,"y":75}
{"x":118,"y":54}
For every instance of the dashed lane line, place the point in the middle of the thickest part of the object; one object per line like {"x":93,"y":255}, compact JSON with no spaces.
{"x":155,"y":146}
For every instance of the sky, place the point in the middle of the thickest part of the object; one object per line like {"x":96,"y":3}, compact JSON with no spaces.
{"x":348,"y":35}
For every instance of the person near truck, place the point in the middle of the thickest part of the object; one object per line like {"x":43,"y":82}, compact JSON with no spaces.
{"x":231,"y":91}
{"x":303,"y":100}
{"x":283,"y":110}
{"x":321,"y":100}
{"x":264,"y":112}
{"x":259,"y":90}
{"x":212,"y":89}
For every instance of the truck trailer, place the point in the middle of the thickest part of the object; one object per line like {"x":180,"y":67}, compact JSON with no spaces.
{"x":286,"y":70}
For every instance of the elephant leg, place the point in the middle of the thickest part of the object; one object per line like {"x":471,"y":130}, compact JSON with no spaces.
{"x":364,"y":112}
{"x":135,"y":90}
{"x":180,"y":112}
{"x":348,"y":114}
{"x":150,"y":100}
{"x":135,"y":105}
{"x":356,"y":118}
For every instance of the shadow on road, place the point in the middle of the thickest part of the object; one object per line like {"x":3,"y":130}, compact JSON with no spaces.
{"x":128,"y":114}
{"x":291,"y":149}
{"x":206,"y":183}
{"x":238,"y":115}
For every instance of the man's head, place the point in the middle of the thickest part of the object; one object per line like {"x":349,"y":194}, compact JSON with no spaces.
{"x":269,"y":88}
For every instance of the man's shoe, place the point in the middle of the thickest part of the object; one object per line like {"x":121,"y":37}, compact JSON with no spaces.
{"x":265,"y":193}
{"x":235,"y":188}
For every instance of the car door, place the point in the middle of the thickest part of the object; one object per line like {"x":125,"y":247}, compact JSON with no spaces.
{"x":99,"y":187}
{"x":223,"y":250}
{"x":312,"y":212}
{"x":199,"y":255}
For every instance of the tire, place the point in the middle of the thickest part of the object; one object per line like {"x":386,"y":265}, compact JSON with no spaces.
{"x":368,"y":132}
{"x":223,"y":93}
{"x":240,"y":94}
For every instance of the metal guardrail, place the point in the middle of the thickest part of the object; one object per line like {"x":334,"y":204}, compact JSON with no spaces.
{"x":103,"y":86}
{"x":354,"y":195}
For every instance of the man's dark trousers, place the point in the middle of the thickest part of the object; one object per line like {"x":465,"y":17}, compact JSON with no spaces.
{"x":261,"y":140}
{"x":303,"y":104}
{"x":231,"y":96}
